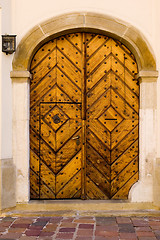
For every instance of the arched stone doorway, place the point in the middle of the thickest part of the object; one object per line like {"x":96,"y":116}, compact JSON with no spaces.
{"x":147,"y":77}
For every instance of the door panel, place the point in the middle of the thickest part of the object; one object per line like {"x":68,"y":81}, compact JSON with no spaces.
{"x":84,"y":118}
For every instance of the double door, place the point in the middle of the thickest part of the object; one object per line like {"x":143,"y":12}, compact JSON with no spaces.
{"x":83,"y":119}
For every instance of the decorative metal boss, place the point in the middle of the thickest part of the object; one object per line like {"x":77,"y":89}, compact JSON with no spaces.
{"x":8,"y":43}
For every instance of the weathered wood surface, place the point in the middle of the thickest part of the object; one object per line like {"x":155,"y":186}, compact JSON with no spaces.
{"x":86,"y":81}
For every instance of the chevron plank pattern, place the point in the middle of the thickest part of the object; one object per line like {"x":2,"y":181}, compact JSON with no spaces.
{"x":112,"y":119}
{"x":60,"y":68}
{"x":55,"y":157}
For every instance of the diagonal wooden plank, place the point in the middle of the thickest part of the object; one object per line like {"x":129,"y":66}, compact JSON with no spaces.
{"x":122,"y":106}
{"x":68,"y":68}
{"x":124,"y":176}
{"x":76,"y":40}
{"x":71,"y":187}
{"x":47,"y":176}
{"x":122,"y":193}
{"x":120,"y":163}
{"x":42,"y":53}
{"x":99,"y":106}
{"x":121,"y":131}
{"x":100,"y":132}
{"x":94,"y":192}
{"x":125,"y":92}
{"x":68,"y":172}
{"x":43,"y":69}
{"x":101,"y":182}
{"x":95,"y":44}
{"x":34,"y":184}
{"x":125,"y":143}
{"x":68,"y":151}
{"x":69,"y":50}
{"x":96,"y":143}
{"x":98,"y":89}
{"x":43,"y":87}
{"x":72,"y":89}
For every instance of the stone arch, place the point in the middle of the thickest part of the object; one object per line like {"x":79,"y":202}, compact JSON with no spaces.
{"x":129,"y":36}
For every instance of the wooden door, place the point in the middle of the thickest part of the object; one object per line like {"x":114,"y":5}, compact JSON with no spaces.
{"x":83,"y":119}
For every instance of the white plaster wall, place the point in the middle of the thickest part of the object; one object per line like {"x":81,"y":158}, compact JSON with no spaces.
{"x":6,"y":86}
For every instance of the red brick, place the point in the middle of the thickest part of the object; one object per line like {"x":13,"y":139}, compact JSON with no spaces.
{"x":67,"y":230}
{"x":83,"y":221}
{"x":68,"y":225}
{"x":83,"y":238}
{"x":64,"y":235}
{"x":27,"y":238}
{"x":123,"y":220}
{"x":106,"y":234}
{"x":145,"y":234}
{"x":86,"y":226}
{"x":84,"y":232}
{"x":128,"y":235}
{"x":11,"y":236}
{"x":32,"y":232}
{"x":23,"y":225}
{"x":47,"y":233}
{"x":143,"y":229}
{"x":147,"y":238}
{"x":20,"y":230}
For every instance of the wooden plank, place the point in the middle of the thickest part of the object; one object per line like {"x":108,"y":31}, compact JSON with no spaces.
{"x":100,"y":106}
{"x":67,"y":131}
{"x":46,"y":49}
{"x":67,"y":68}
{"x":99,"y":180}
{"x":71,"y":187}
{"x":69,"y":49}
{"x":125,"y":109}
{"x":124,"y":176}
{"x":47,"y":177}
{"x":96,"y":43}
{"x":129,"y":155}
{"x":34,"y":184}
{"x":98,"y":146}
{"x":68,"y":151}
{"x":43,"y":87}
{"x":71,"y":89}
{"x":98,"y":162}
{"x":126,"y":93}
{"x":76,"y":40}
{"x":125,"y":144}
{"x":68,"y":172}
{"x":45,"y":66}
{"x":93,"y":192}
{"x":119,"y":52}
{"x":121,"y":131}
{"x":98,"y":89}
{"x":123,"y":192}
{"x":100,"y":73}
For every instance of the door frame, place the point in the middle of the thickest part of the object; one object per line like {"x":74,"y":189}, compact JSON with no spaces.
{"x":146,"y":188}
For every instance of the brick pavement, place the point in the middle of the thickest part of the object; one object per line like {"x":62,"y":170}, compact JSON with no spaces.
{"x":80,"y":228}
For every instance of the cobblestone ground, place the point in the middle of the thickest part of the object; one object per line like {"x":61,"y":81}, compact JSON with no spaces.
{"x":80,"y":228}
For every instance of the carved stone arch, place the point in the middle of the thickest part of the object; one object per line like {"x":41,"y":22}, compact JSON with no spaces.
{"x":113,"y":27}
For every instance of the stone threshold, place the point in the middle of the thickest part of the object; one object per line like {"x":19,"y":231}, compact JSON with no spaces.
{"x":82,"y":208}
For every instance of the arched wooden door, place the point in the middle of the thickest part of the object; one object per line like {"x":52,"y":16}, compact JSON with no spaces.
{"x":84,"y":107}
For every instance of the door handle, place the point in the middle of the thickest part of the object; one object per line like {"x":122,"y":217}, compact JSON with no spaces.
{"x":74,"y":138}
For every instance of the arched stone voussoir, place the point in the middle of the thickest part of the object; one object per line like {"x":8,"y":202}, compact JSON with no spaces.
{"x":83,"y":21}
